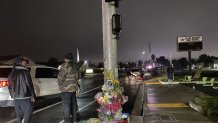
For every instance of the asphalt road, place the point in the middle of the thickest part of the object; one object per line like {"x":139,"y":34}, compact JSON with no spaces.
{"x":49,"y":109}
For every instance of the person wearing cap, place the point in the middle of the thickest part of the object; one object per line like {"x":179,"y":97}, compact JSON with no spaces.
{"x":22,"y":90}
{"x":68,"y":85}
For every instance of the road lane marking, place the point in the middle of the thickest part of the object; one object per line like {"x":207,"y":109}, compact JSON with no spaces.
{"x":86,"y":105}
{"x":151,"y":83}
{"x":95,"y":89}
{"x":14,"y":120}
{"x":122,"y":82}
{"x":82,"y":108}
{"x":167,"y":105}
{"x":90,"y":90}
{"x":42,"y":109}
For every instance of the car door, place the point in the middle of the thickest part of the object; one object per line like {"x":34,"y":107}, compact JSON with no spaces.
{"x":47,"y":80}
{"x":54,"y":79}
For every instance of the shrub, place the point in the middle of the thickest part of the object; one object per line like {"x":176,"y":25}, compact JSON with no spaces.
{"x":209,"y":104}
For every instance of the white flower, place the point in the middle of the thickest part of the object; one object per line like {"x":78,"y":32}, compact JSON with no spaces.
{"x":108,"y":113}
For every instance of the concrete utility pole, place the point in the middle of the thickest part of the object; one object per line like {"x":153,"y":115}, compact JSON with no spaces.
{"x":109,"y":43}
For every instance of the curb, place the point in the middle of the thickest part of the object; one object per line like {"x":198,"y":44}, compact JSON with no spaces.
{"x":196,"y":107}
{"x":166,"y":83}
{"x":146,"y":111}
{"x":138,"y":105}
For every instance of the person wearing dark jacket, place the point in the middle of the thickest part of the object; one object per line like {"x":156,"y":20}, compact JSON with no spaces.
{"x":170,"y":72}
{"x":22,"y":91}
{"x":68,"y":85}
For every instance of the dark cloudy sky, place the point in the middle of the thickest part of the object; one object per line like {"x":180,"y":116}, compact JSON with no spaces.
{"x":42,"y":29}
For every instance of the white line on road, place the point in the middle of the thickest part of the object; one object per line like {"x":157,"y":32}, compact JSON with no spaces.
{"x":42,"y":109}
{"x":82,"y":108}
{"x":122,"y":83}
{"x":90,"y":90}
{"x":86,"y":105}
{"x":46,"y":107}
{"x":95,"y":89}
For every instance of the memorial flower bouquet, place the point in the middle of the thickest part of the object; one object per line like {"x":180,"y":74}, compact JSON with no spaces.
{"x":111,"y":100}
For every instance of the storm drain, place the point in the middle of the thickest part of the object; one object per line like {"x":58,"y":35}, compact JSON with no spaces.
{"x":167,"y":117}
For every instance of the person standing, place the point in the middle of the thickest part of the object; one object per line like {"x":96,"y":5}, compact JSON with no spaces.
{"x":82,"y":70}
{"x":22,"y":90}
{"x":68,"y":85}
{"x":170,"y":72}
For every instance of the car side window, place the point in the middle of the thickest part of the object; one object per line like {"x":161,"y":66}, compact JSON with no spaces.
{"x":46,"y":73}
{"x":4,"y":72}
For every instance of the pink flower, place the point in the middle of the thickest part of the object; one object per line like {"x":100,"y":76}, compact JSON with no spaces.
{"x":115,"y":106}
{"x":107,"y":107}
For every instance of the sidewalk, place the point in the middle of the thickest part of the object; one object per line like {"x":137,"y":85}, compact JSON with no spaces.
{"x":164,"y":104}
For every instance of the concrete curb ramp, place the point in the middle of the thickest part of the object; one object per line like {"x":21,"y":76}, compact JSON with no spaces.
{"x":196,"y":107}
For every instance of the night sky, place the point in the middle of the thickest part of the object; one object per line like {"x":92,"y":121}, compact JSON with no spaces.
{"x":42,"y":29}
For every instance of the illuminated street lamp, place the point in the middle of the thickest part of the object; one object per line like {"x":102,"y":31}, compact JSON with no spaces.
{"x":85,"y":62}
{"x":143,"y":52}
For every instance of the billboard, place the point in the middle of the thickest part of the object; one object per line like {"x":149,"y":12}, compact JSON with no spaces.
{"x":189,"y":43}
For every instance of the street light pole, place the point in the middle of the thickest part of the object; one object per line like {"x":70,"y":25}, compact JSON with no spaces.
{"x":109,"y":43}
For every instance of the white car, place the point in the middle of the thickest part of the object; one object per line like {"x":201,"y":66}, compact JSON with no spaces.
{"x":44,"y":80}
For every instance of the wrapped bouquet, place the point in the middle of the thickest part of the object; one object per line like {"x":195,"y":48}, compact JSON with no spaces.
{"x":111,"y":100}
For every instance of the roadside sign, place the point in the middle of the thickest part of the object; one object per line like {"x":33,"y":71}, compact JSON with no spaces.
{"x":189,"y":43}
{"x":186,"y":39}
{"x":196,"y":38}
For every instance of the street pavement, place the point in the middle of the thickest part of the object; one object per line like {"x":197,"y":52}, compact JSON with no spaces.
{"x":164,"y":104}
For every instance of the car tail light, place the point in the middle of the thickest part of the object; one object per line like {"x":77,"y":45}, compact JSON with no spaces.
{"x":3,"y":83}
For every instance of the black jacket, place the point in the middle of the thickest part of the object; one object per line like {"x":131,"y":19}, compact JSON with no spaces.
{"x":20,"y":83}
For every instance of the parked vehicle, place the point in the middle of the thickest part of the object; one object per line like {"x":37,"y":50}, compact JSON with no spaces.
{"x":44,"y":80}
{"x":136,"y":72}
